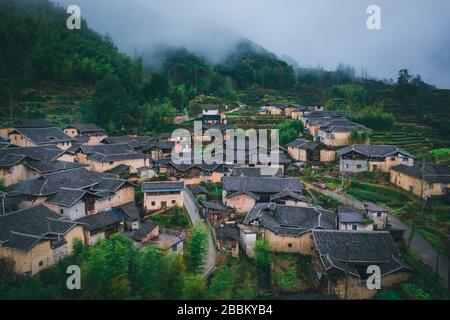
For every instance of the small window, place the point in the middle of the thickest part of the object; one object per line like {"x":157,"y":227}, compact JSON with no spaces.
{"x":354,"y":227}
{"x":358,"y":166}
{"x":61,"y":211}
{"x":41,"y":263}
{"x":174,"y":201}
{"x":289,"y":245}
{"x":347,"y":166}
{"x":153,"y":203}
{"x":392,"y":158}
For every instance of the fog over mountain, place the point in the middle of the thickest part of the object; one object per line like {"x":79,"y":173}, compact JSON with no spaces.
{"x":413,"y":35}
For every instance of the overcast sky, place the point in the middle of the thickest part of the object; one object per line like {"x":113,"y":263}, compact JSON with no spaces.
{"x":415,"y":34}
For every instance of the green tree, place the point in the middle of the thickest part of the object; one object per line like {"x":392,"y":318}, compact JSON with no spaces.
{"x":196,"y":249}
{"x":289,"y":130}
{"x":156,"y":116}
{"x":221,"y":286}
{"x":110,"y":103}
{"x":194,"y":288}
{"x":263,"y":263}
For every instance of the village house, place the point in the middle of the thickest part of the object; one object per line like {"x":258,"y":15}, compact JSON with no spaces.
{"x":160,"y":149}
{"x":56,"y":190}
{"x":138,"y":143}
{"x":91,"y":131}
{"x":288,"y":228}
{"x":192,"y":174}
{"x":199,"y":192}
{"x":311,"y":152}
{"x":341,"y":253}
{"x":104,"y":157}
{"x":377,"y":214}
{"x":212,"y":115}
{"x":299,"y":111}
{"x":256,"y":172}
{"x":19,"y":164}
{"x":100,"y":226}
{"x":31,"y":137}
{"x":216,"y":212}
{"x":209,"y":130}
{"x":351,"y":219}
{"x":362,"y":157}
{"x":162,"y":195}
{"x":247,"y":153}
{"x":131,"y":215}
{"x":228,"y":239}
{"x":147,"y":232}
{"x":26,"y":124}
{"x":243,"y":193}
{"x":338,"y":133}
{"x":248,"y":235}
{"x":166,"y":240}
{"x":313,"y":118}
{"x":275,"y":109}
{"x":36,"y":238}
{"x":122,"y":171}
{"x":431,"y":180}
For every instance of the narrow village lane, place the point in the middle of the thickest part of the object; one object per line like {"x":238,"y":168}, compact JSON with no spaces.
{"x":194,"y":216}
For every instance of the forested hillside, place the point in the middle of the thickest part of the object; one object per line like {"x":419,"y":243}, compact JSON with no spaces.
{"x":66,"y":75}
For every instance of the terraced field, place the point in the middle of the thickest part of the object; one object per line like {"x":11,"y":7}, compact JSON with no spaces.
{"x":416,"y":139}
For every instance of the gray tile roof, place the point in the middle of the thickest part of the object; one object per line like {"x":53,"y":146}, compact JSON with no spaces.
{"x":111,"y":152}
{"x":136,"y":142}
{"x":432,"y":173}
{"x":342,"y":125}
{"x":4,"y":145}
{"x":256,"y":172}
{"x":43,"y":136}
{"x":198,"y":189}
{"x":364,"y":248}
{"x":9,"y":160}
{"x":378,"y":151}
{"x":79,"y":178}
{"x":23,"y":229}
{"x":291,"y":220}
{"x":131,"y":211}
{"x":99,"y":221}
{"x":43,"y":153}
{"x":325,"y":114}
{"x":303,"y":144}
{"x":281,"y":106}
{"x":85,"y":128}
{"x":261,"y":184}
{"x":287,"y":194}
{"x":349,"y":215}
{"x":160,"y":145}
{"x":142,"y":232}
{"x":120,"y":169}
{"x":216,"y":206}
{"x":66,"y":197}
{"x":373,"y":207}
{"x":227,"y":232}
{"x":52,"y":166}
{"x":162,"y":186}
